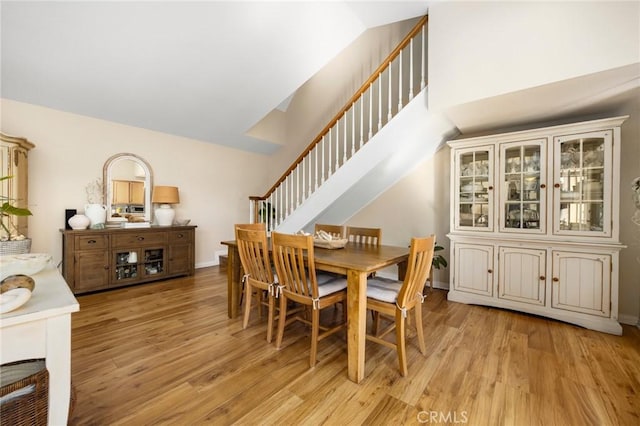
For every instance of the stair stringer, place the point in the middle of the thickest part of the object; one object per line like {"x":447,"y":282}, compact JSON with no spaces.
{"x":411,"y":136}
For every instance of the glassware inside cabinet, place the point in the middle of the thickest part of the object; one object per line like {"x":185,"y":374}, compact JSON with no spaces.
{"x":153,"y":261}
{"x":126,"y":265}
{"x":473,"y":189}
{"x":582,"y":177}
{"x":521,"y":186}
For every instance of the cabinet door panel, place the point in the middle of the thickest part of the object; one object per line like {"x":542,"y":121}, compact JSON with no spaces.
{"x":126,"y":268}
{"x":523,"y":186}
{"x":582,"y":282}
{"x":522,"y":275}
{"x":473,"y":189}
{"x":582,"y":184}
{"x":474,"y":268}
{"x":120,"y":192}
{"x":136,"y":195}
{"x":91,"y":270}
{"x":180,"y":259}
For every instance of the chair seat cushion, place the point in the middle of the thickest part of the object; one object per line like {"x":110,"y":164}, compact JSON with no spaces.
{"x":383,"y":289}
{"x":333,"y":286}
{"x":325,"y":277}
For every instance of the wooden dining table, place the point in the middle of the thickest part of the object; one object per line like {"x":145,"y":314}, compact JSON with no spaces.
{"x":356,"y":262}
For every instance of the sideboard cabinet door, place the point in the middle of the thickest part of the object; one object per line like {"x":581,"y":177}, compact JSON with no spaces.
{"x":474,"y":269}
{"x":582,"y":282}
{"x":521,"y":275}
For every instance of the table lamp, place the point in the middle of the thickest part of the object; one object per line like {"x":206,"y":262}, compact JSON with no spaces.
{"x":165,"y":196}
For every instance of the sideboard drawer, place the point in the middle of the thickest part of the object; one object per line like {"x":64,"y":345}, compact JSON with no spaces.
{"x":176,"y":237}
{"x":139,"y":239}
{"x":91,"y":242}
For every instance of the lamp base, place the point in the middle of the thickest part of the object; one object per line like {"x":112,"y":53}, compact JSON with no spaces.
{"x":165,"y":215}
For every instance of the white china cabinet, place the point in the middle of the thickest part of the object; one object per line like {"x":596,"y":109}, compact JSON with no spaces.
{"x":534,"y":222}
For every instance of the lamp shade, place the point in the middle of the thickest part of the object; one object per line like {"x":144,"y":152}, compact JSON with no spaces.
{"x":165,"y":195}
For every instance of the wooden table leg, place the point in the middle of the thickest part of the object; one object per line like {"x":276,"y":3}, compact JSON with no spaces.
{"x":356,"y":323}
{"x":402,"y":270}
{"x":234,"y":286}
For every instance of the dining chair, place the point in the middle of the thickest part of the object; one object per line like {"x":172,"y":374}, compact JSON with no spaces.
{"x":259,"y":280}
{"x":393,"y":300}
{"x":298,"y":283}
{"x":257,"y":226}
{"x":364,"y":235}
{"x":334,"y":230}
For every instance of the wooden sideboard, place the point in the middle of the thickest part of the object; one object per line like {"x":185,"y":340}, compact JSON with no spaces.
{"x":98,"y":259}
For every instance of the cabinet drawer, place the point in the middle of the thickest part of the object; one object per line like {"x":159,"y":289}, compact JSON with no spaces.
{"x":91,"y":242}
{"x":138,"y":239}
{"x":176,"y":237}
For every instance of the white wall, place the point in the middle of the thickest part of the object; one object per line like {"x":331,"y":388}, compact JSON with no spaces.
{"x":318,"y":100}
{"x":629,"y":305}
{"x":214,"y":181}
{"x":483,"y":49}
{"x":417,"y":206}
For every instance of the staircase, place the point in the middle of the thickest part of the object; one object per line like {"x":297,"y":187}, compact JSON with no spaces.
{"x":383,"y":132}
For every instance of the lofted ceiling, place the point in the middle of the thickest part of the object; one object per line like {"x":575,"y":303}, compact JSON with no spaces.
{"x":203,"y":70}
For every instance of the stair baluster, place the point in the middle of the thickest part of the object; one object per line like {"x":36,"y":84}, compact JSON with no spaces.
{"x":332,"y":150}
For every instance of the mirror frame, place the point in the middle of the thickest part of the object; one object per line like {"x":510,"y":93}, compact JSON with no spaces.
{"x":108,"y":187}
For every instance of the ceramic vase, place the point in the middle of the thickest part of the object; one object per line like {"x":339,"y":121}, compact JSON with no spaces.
{"x":79,"y":221}
{"x":97,"y":214}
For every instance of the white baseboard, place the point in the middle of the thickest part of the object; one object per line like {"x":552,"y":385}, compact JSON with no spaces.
{"x":629,"y":319}
{"x":214,"y":262}
{"x":207,"y":264}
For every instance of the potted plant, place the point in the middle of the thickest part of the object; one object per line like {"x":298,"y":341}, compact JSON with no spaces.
{"x":438,"y":262}
{"x":11,"y":241}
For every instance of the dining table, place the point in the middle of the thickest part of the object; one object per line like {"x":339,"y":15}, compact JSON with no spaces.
{"x":356,"y":262}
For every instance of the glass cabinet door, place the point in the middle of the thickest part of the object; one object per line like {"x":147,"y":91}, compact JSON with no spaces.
{"x":522,"y":184}
{"x":137,"y":264}
{"x":126,"y":266}
{"x":474,"y":184}
{"x":582,"y":182}
{"x":154,"y":261}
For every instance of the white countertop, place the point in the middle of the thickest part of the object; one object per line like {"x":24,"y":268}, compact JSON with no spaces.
{"x":51,"y":297}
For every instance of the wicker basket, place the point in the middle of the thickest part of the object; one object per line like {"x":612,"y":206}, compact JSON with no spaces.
{"x":24,"y":393}
{"x":331,"y":245}
{"x":15,"y":247}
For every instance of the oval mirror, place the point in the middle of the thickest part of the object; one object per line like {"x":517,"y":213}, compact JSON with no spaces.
{"x":127,"y":187}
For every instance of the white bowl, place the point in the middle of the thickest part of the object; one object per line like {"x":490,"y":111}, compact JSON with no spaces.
{"x":26,"y":264}
{"x":13,"y":299}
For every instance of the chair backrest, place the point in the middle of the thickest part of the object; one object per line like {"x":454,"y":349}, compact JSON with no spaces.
{"x":253,"y":226}
{"x":418,"y":268}
{"x":364,"y":235}
{"x":295,"y":272}
{"x":254,"y":254}
{"x":334,"y":230}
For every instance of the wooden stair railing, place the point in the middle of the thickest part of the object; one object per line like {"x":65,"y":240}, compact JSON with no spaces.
{"x":377,"y":101}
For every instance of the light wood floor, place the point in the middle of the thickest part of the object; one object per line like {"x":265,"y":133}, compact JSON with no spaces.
{"x":166,"y":354}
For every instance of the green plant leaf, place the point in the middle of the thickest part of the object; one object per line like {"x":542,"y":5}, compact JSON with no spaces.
{"x":8,"y":210}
